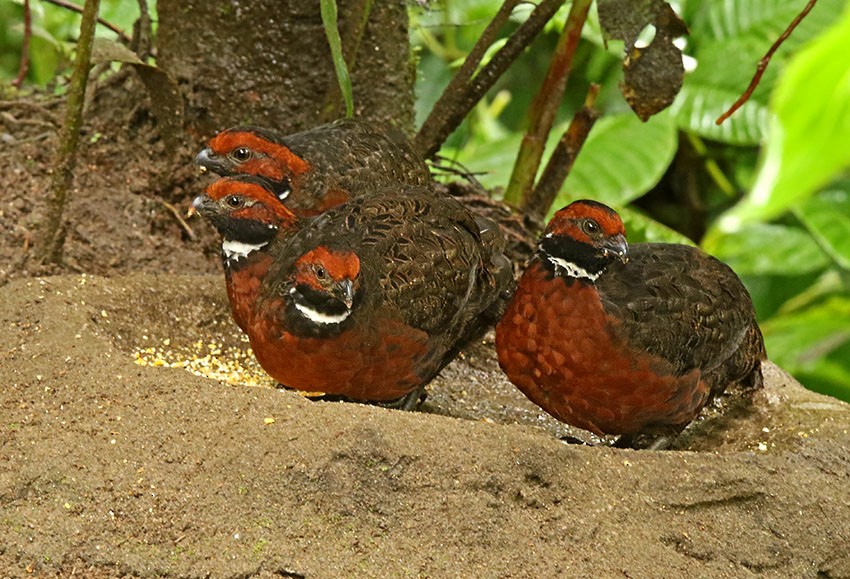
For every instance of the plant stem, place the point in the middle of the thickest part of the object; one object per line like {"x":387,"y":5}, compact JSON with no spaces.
{"x":74,"y":8}
{"x":142,"y":32}
{"x":765,"y":60}
{"x":52,"y":235}
{"x":467,"y":88}
{"x":25,"y":47}
{"x":541,"y":114}
{"x":711,"y":166}
{"x":536,"y":205}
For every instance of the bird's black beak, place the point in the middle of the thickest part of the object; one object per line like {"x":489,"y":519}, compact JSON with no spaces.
{"x":207,"y":159}
{"x":345,"y":293}
{"x":202,"y":204}
{"x":616,"y":246}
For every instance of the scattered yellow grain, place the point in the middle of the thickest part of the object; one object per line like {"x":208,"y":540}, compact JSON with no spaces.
{"x":231,"y":364}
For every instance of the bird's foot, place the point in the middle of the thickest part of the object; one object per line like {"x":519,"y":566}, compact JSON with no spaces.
{"x":410,"y":401}
{"x":567,"y":439}
{"x":643,"y":442}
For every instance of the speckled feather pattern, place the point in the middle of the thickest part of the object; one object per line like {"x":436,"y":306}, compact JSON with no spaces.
{"x":426,"y":283}
{"x":360,"y":155}
{"x":707,"y":313}
{"x":641,"y":351}
{"x":349,"y":159}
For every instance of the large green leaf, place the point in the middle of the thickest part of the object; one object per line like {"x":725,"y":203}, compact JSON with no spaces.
{"x":621,"y":160}
{"x":792,"y":336}
{"x":828,"y":375}
{"x":808,"y":137}
{"x":762,"y":20}
{"x":724,"y":68}
{"x":801,"y":340}
{"x":767,"y":249}
{"x":641,"y":228}
{"x":700,"y":103}
{"x":490,"y":161}
{"x":827,"y":216}
{"x":45,"y":56}
{"x":728,"y":38}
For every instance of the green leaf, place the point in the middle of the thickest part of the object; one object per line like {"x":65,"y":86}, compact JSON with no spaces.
{"x":814,"y":345}
{"x":44,"y":60}
{"x":828,"y":376}
{"x":808,"y":137}
{"x":761,"y":20}
{"x":767,"y":249}
{"x":717,"y":82}
{"x":490,"y":161}
{"x":641,"y":228}
{"x":329,"y":20}
{"x":827,"y":216}
{"x":797,"y":340}
{"x":698,"y":105}
{"x":728,"y":38}
{"x":431,"y":80}
{"x":621,"y":160}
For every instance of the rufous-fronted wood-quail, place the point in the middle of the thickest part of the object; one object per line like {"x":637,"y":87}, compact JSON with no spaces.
{"x":249,"y":218}
{"x":367,"y":301}
{"x":320,"y":168}
{"x":625,"y":340}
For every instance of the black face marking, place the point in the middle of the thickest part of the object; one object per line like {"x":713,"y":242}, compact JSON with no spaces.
{"x":248,"y":231}
{"x":320,"y":302}
{"x":569,"y":250}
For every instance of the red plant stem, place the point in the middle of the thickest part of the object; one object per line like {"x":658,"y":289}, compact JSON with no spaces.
{"x":765,"y":60}
{"x":563,"y":157}
{"x":25,"y":47}
{"x":545,"y":106}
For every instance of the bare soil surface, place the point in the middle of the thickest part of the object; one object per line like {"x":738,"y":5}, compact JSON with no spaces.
{"x":113,"y":469}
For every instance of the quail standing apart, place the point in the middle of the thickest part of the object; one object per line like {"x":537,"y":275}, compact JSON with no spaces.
{"x":625,"y":340}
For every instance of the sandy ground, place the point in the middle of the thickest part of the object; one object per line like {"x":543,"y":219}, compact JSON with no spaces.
{"x":109,"y":468}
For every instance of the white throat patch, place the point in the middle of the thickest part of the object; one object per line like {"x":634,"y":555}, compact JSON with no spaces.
{"x":571,"y":269}
{"x":235,"y":250}
{"x":318,"y":317}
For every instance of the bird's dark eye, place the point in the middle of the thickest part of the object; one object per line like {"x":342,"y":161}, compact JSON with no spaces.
{"x":241,"y":154}
{"x":234,"y":201}
{"x":320,"y":272}
{"x":590,"y":227}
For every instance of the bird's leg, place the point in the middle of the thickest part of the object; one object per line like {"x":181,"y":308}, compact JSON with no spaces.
{"x":643,"y":442}
{"x":567,"y":439}
{"x":410,"y":401}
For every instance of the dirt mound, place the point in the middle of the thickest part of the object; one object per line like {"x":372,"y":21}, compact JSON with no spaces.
{"x":110,"y":468}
